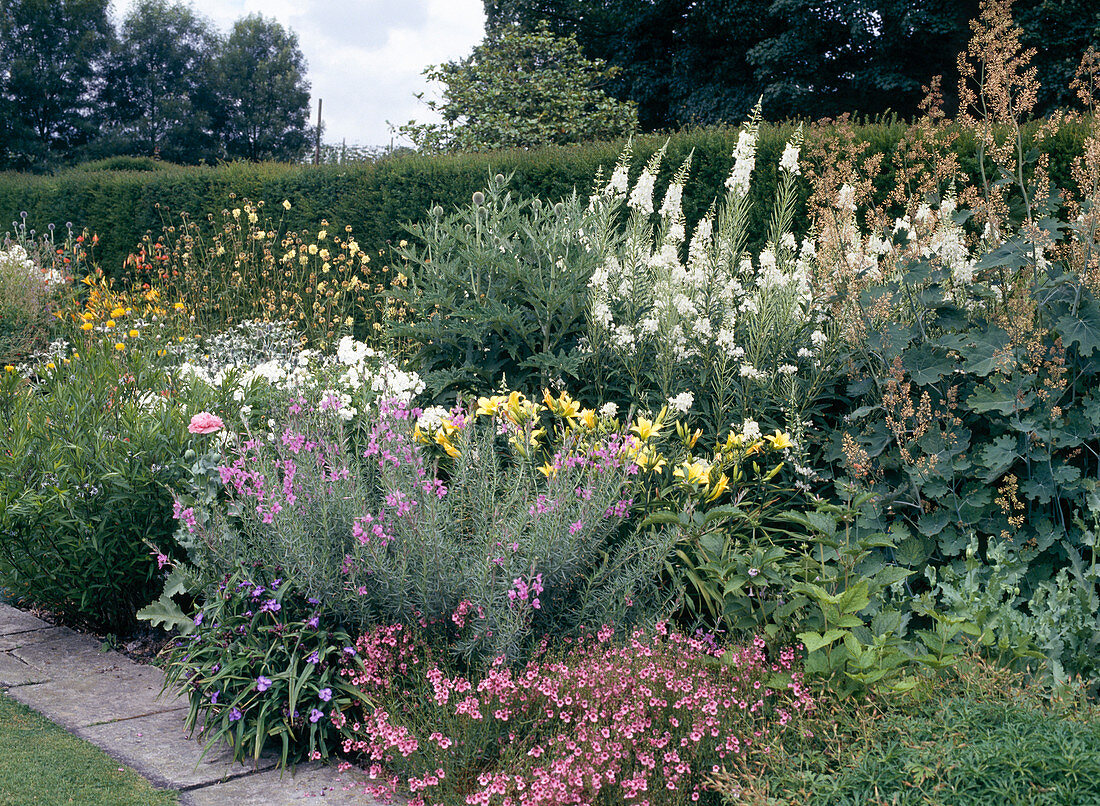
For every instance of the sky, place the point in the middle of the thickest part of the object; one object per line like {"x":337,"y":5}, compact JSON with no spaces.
{"x":365,"y":57}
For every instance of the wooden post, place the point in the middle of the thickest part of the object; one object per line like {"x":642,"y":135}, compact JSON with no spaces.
{"x":317,"y":148}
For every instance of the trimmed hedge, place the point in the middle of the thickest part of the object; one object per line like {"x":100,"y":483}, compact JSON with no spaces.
{"x":376,"y":199}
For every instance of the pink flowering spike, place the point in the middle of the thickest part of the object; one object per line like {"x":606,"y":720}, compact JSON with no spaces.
{"x":205,"y":423}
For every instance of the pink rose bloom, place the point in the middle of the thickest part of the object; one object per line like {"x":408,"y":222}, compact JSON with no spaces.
{"x":205,"y":423}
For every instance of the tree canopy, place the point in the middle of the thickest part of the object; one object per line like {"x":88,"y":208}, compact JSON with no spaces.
{"x":522,"y":89}
{"x":165,"y":84}
{"x":706,"y":61}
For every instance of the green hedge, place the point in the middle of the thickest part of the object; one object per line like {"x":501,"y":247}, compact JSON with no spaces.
{"x":377,"y":198}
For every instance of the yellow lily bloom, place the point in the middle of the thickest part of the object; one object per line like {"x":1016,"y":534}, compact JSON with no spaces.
{"x":649,"y":459}
{"x":442,"y":440}
{"x":778,"y":440}
{"x":645,"y":428}
{"x":588,"y":418}
{"x":718,"y":487}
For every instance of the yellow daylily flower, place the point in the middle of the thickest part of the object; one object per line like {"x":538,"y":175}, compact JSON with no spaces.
{"x":778,"y":440}
{"x":696,"y":472}
{"x":442,"y":440}
{"x":649,"y":459}
{"x":645,"y":428}
{"x":548,"y":470}
{"x":718,"y":487}
{"x":490,"y":406}
{"x":588,"y":418}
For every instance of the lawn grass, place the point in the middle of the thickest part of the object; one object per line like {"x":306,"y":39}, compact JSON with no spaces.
{"x":977,"y":736}
{"x":40,"y":763}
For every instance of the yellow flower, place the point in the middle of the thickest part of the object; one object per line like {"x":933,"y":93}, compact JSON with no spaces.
{"x":87,"y":326}
{"x":179,"y":306}
{"x":695,"y":472}
{"x":718,"y":487}
{"x":646,"y":428}
{"x":442,"y":440}
{"x":548,"y":470}
{"x":134,"y":334}
{"x":120,"y":346}
{"x":286,"y":204}
{"x":9,"y":368}
{"x":110,"y":323}
{"x":564,"y":406}
{"x":88,"y":316}
{"x":322,"y":235}
{"x":649,"y":459}
{"x":51,"y":365}
{"x":118,"y":312}
{"x":779,"y":441}
{"x":488,"y":406}
{"x":588,"y":418}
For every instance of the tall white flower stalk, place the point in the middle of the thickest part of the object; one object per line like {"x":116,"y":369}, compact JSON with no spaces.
{"x":698,"y":313}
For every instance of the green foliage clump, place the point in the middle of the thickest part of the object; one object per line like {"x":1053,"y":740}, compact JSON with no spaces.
{"x":496,"y":293}
{"x":259,"y":666}
{"x":522,"y":90}
{"x":88,"y":458}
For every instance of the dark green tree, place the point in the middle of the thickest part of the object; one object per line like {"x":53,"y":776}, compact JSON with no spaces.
{"x":520,"y":90}
{"x":1060,"y":31}
{"x":703,"y":61}
{"x":158,"y":96}
{"x":51,"y":56}
{"x":262,"y":91}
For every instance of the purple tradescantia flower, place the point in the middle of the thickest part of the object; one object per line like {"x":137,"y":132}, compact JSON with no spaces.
{"x":325,"y":694}
{"x":263,"y":683}
{"x":234,"y":714}
{"x":315,"y":714}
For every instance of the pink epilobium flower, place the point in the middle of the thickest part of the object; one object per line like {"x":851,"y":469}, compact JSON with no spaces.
{"x":205,"y":423}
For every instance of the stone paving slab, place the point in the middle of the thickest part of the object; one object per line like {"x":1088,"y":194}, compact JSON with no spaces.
{"x":13,"y":672}
{"x":13,"y":620}
{"x":159,"y":748}
{"x":75,"y":702}
{"x":17,"y":639}
{"x":109,"y":700}
{"x":70,"y":654}
{"x":309,"y":784}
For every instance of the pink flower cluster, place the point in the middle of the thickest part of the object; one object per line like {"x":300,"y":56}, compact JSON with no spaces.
{"x":523,"y":590}
{"x":643,"y":721}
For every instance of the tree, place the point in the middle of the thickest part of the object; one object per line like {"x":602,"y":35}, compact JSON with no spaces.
{"x":51,"y":57}
{"x":519,"y":90}
{"x":263,"y":94}
{"x":158,"y":96}
{"x":1060,"y":31}
{"x":704,"y":61}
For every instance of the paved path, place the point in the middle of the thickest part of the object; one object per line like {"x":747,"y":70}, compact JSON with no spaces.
{"x":113,"y":703}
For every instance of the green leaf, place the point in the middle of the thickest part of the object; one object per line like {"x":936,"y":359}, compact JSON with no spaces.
{"x":661,"y":519}
{"x":926,"y":364}
{"x":1004,"y":401}
{"x":166,"y":613}
{"x":1083,"y":329}
{"x":854,"y":599}
{"x":814,"y":641}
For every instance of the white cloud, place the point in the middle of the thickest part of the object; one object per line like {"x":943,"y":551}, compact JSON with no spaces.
{"x":365,"y":57}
